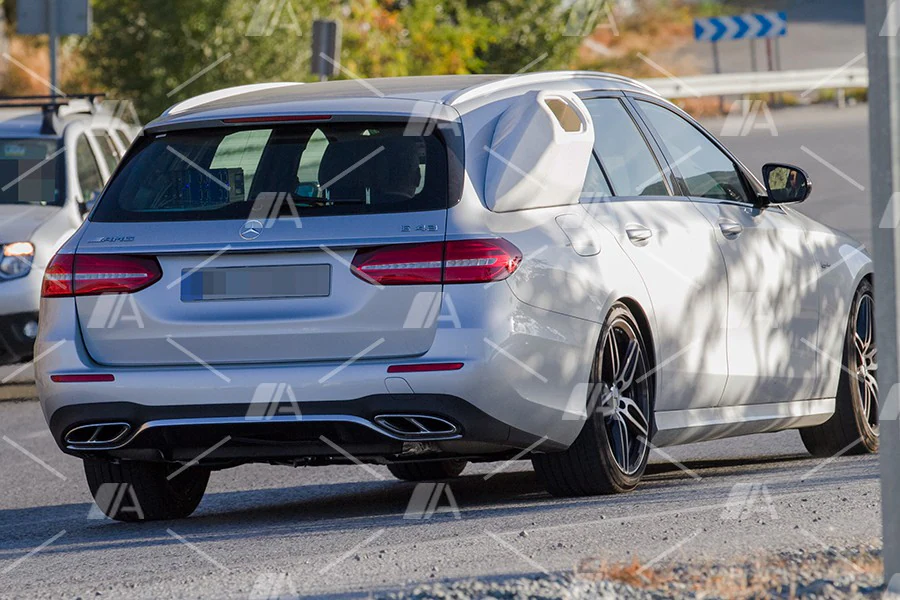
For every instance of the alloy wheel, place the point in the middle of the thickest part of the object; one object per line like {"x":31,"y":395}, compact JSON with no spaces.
{"x":865,"y":361}
{"x":624,"y":390}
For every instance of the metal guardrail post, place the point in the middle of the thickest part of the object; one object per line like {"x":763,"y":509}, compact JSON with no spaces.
{"x":882,"y":28}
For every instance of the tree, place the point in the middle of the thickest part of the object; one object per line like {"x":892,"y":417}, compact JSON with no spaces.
{"x":157,"y":52}
{"x":525,"y":32}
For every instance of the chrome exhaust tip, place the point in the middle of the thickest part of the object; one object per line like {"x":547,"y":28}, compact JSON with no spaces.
{"x":96,"y":435}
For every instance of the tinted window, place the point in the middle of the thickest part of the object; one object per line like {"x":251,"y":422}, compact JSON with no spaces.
{"x":108,"y":149}
{"x":335,"y":169}
{"x":626,"y":157}
{"x":707,"y":171}
{"x":596,"y":187}
{"x":89,"y":178}
{"x":122,"y":137}
{"x":28,"y":171}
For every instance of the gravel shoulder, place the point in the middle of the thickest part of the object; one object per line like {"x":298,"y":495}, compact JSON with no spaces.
{"x":847,"y":573}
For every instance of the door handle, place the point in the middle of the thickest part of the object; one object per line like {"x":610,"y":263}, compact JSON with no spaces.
{"x":639,"y":235}
{"x":731,"y":229}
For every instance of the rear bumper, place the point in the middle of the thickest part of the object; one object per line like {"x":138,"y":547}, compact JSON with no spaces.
{"x":313,"y":432}
{"x":523,"y":368}
{"x":15,"y":345}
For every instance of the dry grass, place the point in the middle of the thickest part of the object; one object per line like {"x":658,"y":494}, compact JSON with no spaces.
{"x":754,"y":578}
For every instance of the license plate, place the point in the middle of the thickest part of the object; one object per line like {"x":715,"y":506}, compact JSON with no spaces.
{"x":248,"y":283}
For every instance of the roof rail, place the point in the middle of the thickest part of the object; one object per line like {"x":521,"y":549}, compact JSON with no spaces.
{"x":513,"y":81}
{"x":50,"y":107}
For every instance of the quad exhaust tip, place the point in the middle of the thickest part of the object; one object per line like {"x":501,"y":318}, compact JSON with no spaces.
{"x":418,"y":427}
{"x":97,"y":435}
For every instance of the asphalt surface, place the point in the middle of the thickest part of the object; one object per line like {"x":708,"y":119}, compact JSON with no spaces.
{"x":341,"y":531}
{"x":822,"y":34}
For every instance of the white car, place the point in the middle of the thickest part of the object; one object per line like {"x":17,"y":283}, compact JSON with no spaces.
{"x":55,"y":156}
{"x":423,"y":272}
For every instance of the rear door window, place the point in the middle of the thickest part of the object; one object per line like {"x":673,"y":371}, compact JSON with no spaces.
{"x":90,"y":179}
{"x":321,"y":170}
{"x":108,"y":149}
{"x":627,"y":159}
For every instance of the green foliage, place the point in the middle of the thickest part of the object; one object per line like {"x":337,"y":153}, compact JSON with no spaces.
{"x":148,"y":50}
{"x":523,"y":32}
{"x":145,"y":49}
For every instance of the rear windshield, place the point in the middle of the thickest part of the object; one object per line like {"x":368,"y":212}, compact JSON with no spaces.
{"x":308,"y":170}
{"x":28,"y":170}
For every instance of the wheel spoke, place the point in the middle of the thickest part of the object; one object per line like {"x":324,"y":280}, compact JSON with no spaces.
{"x":866,"y":399}
{"x":632,"y":357}
{"x":633,"y":414}
{"x":605,"y":405}
{"x":873,"y":385}
{"x":870,"y":322}
{"x":859,"y":343}
{"x":613,"y":350}
{"x":623,"y":436}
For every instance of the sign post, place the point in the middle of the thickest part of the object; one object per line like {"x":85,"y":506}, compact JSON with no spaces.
{"x":883,"y":41}
{"x":54,"y":18}
{"x":326,"y":48}
{"x":769,"y":26}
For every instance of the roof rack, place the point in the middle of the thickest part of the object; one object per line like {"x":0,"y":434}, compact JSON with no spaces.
{"x":50,"y":106}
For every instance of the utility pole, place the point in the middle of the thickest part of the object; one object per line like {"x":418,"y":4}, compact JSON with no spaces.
{"x":883,"y":41}
{"x":53,"y":31}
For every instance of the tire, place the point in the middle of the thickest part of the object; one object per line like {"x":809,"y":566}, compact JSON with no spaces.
{"x":855,"y":420}
{"x":132,"y":491}
{"x":428,"y":470}
{"x":610,"y":454}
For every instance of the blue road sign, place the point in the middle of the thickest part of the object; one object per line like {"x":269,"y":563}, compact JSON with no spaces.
{"x":743,"y":27}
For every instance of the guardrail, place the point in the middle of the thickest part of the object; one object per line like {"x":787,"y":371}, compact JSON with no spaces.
{"x":807,"y":82}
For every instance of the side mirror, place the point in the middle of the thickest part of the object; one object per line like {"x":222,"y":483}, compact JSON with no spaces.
{"x":786,"y":184}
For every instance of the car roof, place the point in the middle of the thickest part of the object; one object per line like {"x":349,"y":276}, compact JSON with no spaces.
{"x":24,"y":123}
{"x":21,"y":123}
{"x":396,"y":95}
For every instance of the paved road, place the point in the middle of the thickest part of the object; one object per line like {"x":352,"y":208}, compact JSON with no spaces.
{"x":822,"y":34}
{"x":341,"y":530}
{"x":832,"y":145}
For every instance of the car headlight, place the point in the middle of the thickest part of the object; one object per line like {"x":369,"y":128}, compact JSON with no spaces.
{"x":16,"y":260}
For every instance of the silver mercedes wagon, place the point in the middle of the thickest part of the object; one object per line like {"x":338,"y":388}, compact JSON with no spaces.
{"x":426,"y":272}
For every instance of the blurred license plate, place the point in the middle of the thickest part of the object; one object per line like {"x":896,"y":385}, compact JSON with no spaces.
{"x":245,"y":283}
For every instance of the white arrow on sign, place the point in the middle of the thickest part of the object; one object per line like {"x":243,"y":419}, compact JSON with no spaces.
{"x":731,"y":28}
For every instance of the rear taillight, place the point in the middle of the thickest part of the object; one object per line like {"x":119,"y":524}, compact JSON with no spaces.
{"x":462,"y":261}
{"x":93,"y":274}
